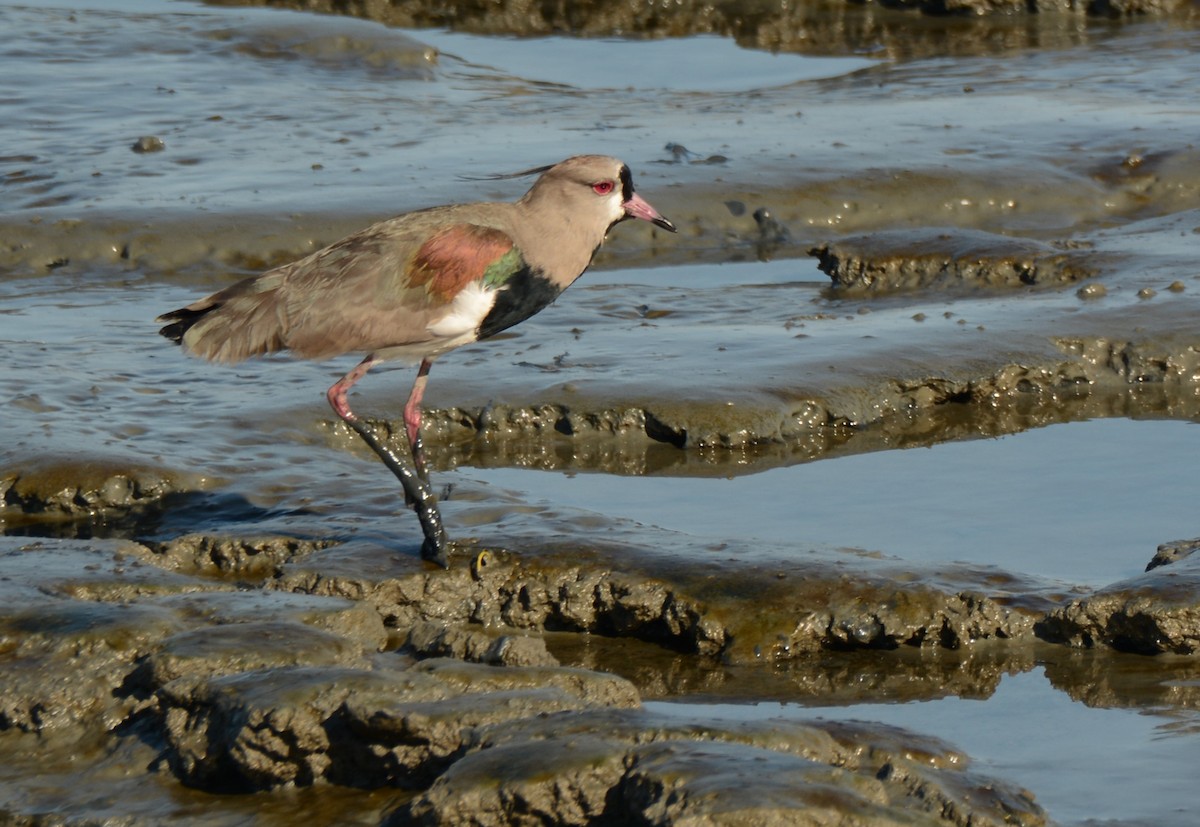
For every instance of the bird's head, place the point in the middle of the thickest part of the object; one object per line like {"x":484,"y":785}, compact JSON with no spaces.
{"x":591,"y":187}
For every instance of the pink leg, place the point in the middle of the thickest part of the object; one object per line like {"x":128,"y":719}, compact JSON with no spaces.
{"x":412,"y":408}
{"x":337,"y":392}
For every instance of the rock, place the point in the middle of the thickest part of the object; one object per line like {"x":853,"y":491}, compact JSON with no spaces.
{"x":643,"y":767}
{"x":814,"y":603}
{"x":387,"y":726}
{"x":913,"y":259}
{"x":247,"y":557}
{"x":1172,"y":552}
{"x":1153,"y":613}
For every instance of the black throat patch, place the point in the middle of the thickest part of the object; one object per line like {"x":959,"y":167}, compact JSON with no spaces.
{"x":524,"y":293}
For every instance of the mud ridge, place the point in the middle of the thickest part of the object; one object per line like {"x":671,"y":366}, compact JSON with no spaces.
{"x":768,"y":26}
{"x":934,"y":258}
{"x":1098,"y":376}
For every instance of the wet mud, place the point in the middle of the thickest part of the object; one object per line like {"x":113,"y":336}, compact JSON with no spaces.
{"x":325,"y":672}
{"x":822,"y":26}
{"x":214,"y":610}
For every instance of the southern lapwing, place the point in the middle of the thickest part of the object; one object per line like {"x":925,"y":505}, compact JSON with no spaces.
{"x":416,"y":286}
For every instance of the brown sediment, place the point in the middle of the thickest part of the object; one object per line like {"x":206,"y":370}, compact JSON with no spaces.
{"x":1004,"y":214}
{"x":933,"y":258}
{"x":813,"y":27}
{"x":336,"y":676}
{"x":70,"y":487}
{"x":296,"y":682}
{"x":1075,"y":378}
{"x":1153,"y":613}
{"x":266,"y":689}
{"x":634,"y":765}
{"x":73,"y":495}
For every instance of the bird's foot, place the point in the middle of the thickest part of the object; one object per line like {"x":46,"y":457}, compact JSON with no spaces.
{"x":435,"y":552}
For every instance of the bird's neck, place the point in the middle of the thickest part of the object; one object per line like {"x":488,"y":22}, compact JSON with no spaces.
{"x":556,"y":246}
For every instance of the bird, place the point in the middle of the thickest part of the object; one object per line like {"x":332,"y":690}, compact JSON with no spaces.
{"x":416,"y":286}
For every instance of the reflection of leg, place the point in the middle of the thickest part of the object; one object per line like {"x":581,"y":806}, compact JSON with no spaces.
{"x":417,"y":492}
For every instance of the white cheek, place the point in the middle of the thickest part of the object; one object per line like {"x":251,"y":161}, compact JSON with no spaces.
{"x":617,"y":208}
{"x":465,"y":313}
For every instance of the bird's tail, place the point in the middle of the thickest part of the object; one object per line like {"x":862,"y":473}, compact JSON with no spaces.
{"x":231,"y":325}
{"x":181,"y":322}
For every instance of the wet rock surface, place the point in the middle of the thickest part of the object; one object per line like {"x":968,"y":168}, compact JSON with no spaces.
{"x":1156,"y":612}
{"x":65,"y":490}
{"x":271,"y":688}
{"x":299,"y":682}
{"x":932,"y":258}
{"x":640,"y":767}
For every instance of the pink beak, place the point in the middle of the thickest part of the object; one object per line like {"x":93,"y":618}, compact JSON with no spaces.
{"x":638,"y":207}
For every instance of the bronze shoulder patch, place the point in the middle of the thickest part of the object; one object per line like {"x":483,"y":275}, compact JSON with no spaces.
{"x":456,"y":256}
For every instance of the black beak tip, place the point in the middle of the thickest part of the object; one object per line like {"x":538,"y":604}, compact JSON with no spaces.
{"x":665,"y":224}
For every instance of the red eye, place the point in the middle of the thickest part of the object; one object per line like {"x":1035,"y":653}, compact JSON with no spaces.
{"x":602,"y":187}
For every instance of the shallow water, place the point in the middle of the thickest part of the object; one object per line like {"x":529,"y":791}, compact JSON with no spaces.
{"x":1035,"y":736}
{"x":1084,"y":503}
{"x":291,"y":128}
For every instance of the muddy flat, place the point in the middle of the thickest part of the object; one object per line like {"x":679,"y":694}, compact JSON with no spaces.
{"x":856,"y":478}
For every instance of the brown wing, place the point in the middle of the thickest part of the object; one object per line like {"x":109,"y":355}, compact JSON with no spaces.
{"x":378,"y":288}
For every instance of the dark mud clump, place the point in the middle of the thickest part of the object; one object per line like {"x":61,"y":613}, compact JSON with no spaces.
{"x":900,"y":260}
{"x":1156,"y":612}
{"x":64,"y":489}
{"x":821,"y":602}
{"x":634,"y":766}
{"x":247,"y":558}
